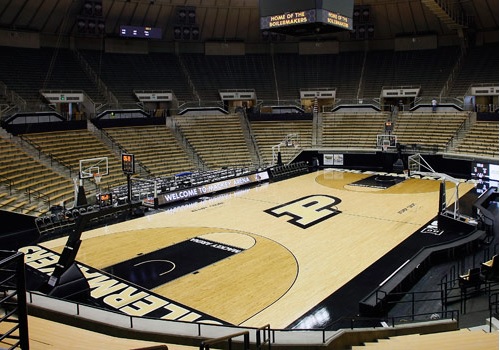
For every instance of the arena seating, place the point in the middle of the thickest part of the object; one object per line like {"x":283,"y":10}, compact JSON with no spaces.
{"x":355,"y":130}
{"x":481,"y":140}
{"x":272,"y":133}
{"x":282,"y":172}
{"x":428,"y":131}
{"x":480,"y":66}
{"x":295,"y":72}
{"x":210,"y":74}
{"x":428,"y":69}
{"x":154,"y":147}
{"x":218,"y":140}
{"x":27,"y":71}
{"x":154,"y":71}
{"x":70,"y":146}
{"x":222,"y":143}
{"x":41,"y":185}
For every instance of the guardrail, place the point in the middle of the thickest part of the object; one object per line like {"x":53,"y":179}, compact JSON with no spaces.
{"x":186,"y":332}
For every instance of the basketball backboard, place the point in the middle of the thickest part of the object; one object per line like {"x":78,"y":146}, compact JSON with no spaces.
{"x":388,"y":140}
{"x":90,"y":167}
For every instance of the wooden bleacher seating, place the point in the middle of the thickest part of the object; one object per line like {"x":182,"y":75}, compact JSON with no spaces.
{"x":428,"y":131}
{"x":155,"y":147}
{"x":271,"y":133}
{"x":354,"y":130}
{"x":154,"y":71}
{"x":480,"y":64}
{"x":70,"y":146}
{"x":481,"y":139}
{"x":296,"y":72}
{"x":25,"y":72}
{"x":41,"y":185}
{"x":218,"y":140}
{"x":211,"y":73}
{"x":427,"y":69}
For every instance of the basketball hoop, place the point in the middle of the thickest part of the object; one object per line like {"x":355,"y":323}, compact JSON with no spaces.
{"x":97,"y":178}
{"x":385,"y":145}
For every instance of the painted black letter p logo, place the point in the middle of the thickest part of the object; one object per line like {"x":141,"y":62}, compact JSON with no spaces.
{"x":307,"y":211}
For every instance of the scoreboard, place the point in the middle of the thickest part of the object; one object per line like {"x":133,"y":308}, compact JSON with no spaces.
{"x":140,"y":32}
{"x":128,"y":163}
{"x":306,"y":17}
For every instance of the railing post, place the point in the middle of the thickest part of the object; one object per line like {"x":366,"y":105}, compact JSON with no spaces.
{"x":413,"y":306}
{"x":21,"y":302}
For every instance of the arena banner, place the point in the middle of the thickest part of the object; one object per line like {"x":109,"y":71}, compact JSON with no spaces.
{"x":203,"y":190}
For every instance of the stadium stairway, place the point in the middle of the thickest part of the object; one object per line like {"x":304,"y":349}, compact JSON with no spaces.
{"x":462,"y":133}
{"x":464,"y":339}
{"x":249,"y":138}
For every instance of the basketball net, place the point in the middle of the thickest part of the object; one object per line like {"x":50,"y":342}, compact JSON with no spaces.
{"x":97,"y":178}
{"x":385,"y":145}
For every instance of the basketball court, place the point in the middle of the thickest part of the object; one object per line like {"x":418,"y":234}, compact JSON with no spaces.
{"x":263,"y":255}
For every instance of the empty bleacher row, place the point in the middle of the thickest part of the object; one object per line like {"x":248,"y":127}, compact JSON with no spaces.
{"x":210,"y":74}
{"x":427,"y":69}
{"x":68,"y":147}
{"x":33,"y":181}
{"x":285,"y":171}
{"x":287,"y":137}
{"x":193,"y":76}
{"x":219,"y":141}
{"x":356,"y":130}
{"x":481,"y":140}
{"x":124,"y":73}
{"x":155,"y":147}
{"x":27,"y":71}
{"x":428,"y":131}
{"x":342,"y":71}
{"x":480,"y":66}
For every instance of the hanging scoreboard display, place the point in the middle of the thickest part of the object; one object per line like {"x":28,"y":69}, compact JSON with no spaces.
{"x":140,"y":32}
{"x":306,"y":17}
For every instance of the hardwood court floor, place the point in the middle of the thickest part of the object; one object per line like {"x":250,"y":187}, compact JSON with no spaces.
{"x":300,"y":240}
